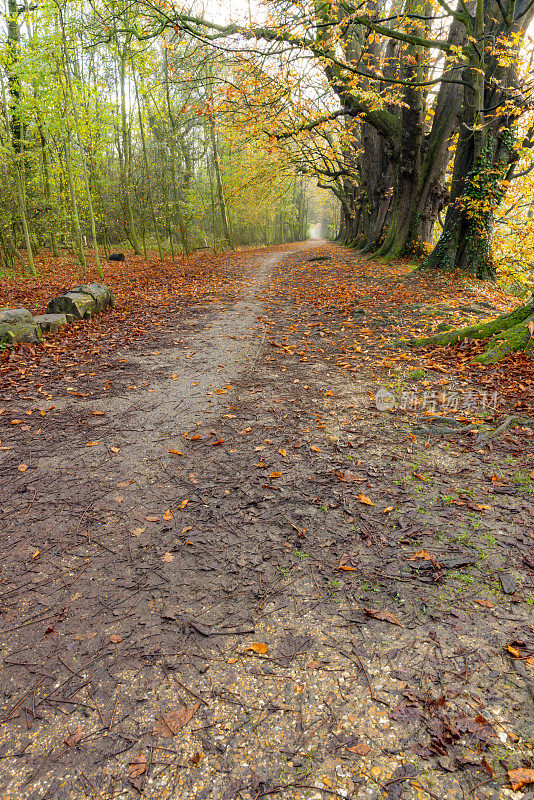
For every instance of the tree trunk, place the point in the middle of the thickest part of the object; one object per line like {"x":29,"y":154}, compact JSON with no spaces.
{"x":506,"y":334}
{"x":126,"y":176}
{"x":80,"y":143}
{"x":74,"y":206}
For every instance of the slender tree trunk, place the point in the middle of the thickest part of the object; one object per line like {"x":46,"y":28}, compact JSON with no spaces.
{"x":78,"y":237}
{"x":147,"y":169}
{"x":80,"y":143}
{"x":17,"y":136}
{"x":218,"y":181}
{"x":127,"y":182}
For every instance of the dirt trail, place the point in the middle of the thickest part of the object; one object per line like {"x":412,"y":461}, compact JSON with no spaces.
{"x":231,"y":620}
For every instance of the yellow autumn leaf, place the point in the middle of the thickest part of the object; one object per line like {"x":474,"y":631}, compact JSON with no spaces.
{"x":275,"y":475}
{"x":168,"y":515}
{"x":315,"y":448}
{"x":282,"y":452}
{"x":364,"y":499}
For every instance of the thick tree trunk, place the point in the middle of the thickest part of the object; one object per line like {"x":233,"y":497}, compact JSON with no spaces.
{"x":506,"y":334}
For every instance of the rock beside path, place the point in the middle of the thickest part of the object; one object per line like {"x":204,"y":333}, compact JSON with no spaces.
{"x":82,"y":301}
{"x":18,"y":325}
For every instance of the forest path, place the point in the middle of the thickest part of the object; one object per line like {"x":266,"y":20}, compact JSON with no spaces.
{"x":232,"y":573}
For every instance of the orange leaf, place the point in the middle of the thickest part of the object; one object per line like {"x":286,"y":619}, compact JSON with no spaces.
{"x":514,"y":651}
{"x":168,"y":515}
{"x":281,"y":451}
{"x":91,"y":444}
{"x":364,"y":499}
{"x":387,"y":510}
{"x":275,"y":475}
{"x":22,"y":467}
{"x":74,"y":737}
{"x":315,"y":448}
{"x":483,"y":602}
{"x":257,"y":647}
{"x":177,"y":452}
{"x":152,"y":518}
{"x":114,"y":449}
{"x":347,"y":568}
{"x":184,"y":503}
{"x":520,"y":777}
{"x":115,"y":638}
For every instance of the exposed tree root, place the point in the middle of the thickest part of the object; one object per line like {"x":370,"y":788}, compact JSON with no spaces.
{"x":506,"y":334}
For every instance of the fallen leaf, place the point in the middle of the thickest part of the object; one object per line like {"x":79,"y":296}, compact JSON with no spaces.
{"x":257,"y":647}
{"x":196,"y":758}
{"x":174,"y":721}
{"x":91,"y":444}
{"x":520,"y":777}
{"x":421,"y":477}
{"x":119,"y":498}
{"x":387,"y":510}
{"x":138,"y":531}
{"x":36,"y":554}
{"x":487,"y":766}
{"x":364,"y":499}
{"x":184,"y":503}
{"x":168,"y":557}
{"x":22,"y":467}
{"x":74,"y":737}
{"x":114,"y":449}
{"x":483,"y":602}
{"x":383,"y":616}
{"x":514,"y":651}
{"x":168,"y":515}
{"x":281,"y":451}
{"x":361,"y":749}
{"x":123,"y":484}
{"x":115,"y":638}
{"x":275,"y":475}
{"x":136,"y":770}
{"x":232,"y":660}
{"x":177,"y":452}
{"x":315,"y":448}
{"x":152,"y":518}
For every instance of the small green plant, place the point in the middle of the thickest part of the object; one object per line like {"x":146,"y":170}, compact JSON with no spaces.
{"x":416,"y":375}
{"x":300,"y":554}
{"x":524,"y":481}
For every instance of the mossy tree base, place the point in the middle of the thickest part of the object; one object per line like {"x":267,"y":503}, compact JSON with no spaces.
{"x":506,"y":334}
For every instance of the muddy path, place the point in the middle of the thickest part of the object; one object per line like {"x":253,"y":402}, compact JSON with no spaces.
{"x":198,"y":604}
